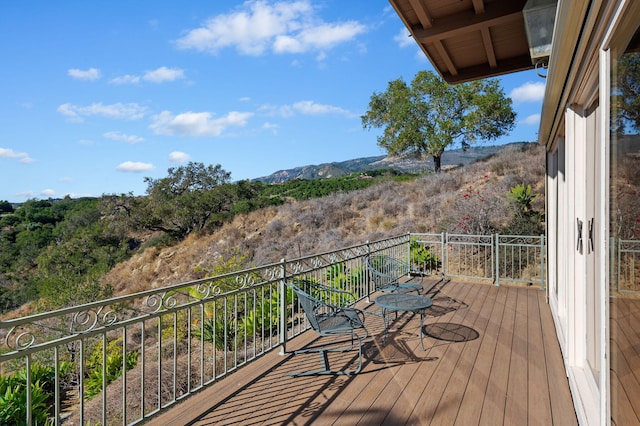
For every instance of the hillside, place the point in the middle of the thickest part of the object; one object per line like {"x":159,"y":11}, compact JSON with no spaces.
{"x":468,"y":199}
{"x":456,"y":157}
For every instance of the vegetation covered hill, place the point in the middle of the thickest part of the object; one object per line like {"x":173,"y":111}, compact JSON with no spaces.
{"x":470,"y":199}
{"x":450,"y":159}
{"x":64,"y":252}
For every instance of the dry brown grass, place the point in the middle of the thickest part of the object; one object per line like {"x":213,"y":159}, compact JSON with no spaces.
{"x":473,"y":196}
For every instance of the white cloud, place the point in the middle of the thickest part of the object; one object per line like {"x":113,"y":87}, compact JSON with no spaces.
{"x":528,"y":92}
{"x":23,"y":157}
{"x":48,"y":192}
{"x":179,"y":157}
{"x":321,"y":37}
{"x":130,"y":111}
{"x":281,"y":27}
{"x":135,"y":167}
{"x":90,"y":74}
{"x":121,"y":137}
{"x":284,"y":111}
{"x":126,"y":79}
{"x":533,"y":119}
{"x":403,"y":38}
{"x":197,"y":123}
{"x":271,"y":126}
{"x":163,"y":74}
{"x":312,"y":108}
{"x":25,"y":194}
{"x":304,"y":108}
{"x":159,"y":75}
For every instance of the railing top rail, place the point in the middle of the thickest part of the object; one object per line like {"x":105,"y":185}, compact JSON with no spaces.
{"x":466,"y":238}
{"x":310,"y":263}
{"x":629,"y":245}
{"x":129,"y":297}
{"x":520,"y":239}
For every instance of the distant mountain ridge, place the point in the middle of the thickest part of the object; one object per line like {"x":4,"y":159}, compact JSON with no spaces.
{"x":454,"y":157}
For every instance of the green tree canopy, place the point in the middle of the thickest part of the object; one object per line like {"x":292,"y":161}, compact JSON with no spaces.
{"x":188,"y":199}
{"x":429,"y":115}
{"x":626,"y":99}
{"x":5,"y":207}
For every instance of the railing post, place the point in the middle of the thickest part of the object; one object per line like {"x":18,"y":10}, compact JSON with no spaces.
{"x":283,"y":308}
{"x":496,"y":260}
{"x":618,"y":258}
{"x":367,"y":276}
{"x":445,"y":253}
{"x":29,"y":390}
{"x":543,"y":258}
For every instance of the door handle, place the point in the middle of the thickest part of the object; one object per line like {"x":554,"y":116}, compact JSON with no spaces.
{"x":579,"y":226}
{"x":590,"y":245}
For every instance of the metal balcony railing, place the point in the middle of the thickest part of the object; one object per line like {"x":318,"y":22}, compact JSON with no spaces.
{"x":123,"y":360}
{"x":496,"y":258}
{"x":628,"y":266}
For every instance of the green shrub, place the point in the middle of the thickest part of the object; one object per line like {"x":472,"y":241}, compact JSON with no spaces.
{"x":13,"y":394}
{"x":113,"y":366}
{"x":264,"y":316}
{"x":422,"y":258}
{"x":13,"y":402}
{"x":525,"y":220}
{"x":221,"y":333}
{"x":522,"y":196}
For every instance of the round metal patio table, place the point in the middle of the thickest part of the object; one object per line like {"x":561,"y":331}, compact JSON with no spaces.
{"x":403,"y":302}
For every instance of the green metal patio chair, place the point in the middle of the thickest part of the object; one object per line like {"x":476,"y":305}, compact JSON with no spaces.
{"x":329,"y":320}
{"x":392,"y":274}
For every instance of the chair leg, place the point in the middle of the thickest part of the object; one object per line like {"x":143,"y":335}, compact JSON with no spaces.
{"x":324,"y":358}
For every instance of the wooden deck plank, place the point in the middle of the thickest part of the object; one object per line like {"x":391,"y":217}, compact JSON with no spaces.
{"x":379,"y":409}
{"x":383,"y":361}
{"x":495,"y":399}
{"x":561,"y":401}
{"x":516,"y":408}
{"x":482,"y":381}
{"x":472,"y":405}
{"x":433,"y":396}
{"x":538,"y":390}
{"x":622,"y":412}
{"x":629,"y":388}
{"x":428,"y":381}
{"x":461,"y":380}
{"x":625,"y":361}
{"x":445,"y":310}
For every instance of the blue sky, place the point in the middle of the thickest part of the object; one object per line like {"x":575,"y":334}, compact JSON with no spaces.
{"x":97,"y":95}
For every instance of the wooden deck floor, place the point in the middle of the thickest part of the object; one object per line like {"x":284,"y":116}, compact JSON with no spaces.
{"x":492,"y":358}
{"x":625,"y":360}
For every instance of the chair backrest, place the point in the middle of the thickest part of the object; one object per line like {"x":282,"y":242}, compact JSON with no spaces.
{"x":386,"y":270}
{"x":310,"y":305}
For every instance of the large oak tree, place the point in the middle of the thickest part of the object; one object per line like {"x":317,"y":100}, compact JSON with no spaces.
{"x":426,"y":117}
{"x":626,"y":97}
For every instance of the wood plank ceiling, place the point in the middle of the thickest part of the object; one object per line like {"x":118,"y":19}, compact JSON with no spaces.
{"x":468,"y":39}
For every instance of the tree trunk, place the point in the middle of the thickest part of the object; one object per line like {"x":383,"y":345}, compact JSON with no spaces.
{"x":436,"y":163}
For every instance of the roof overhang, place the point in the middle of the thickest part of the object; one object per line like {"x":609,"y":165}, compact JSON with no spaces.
{"x":468,"y":39}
